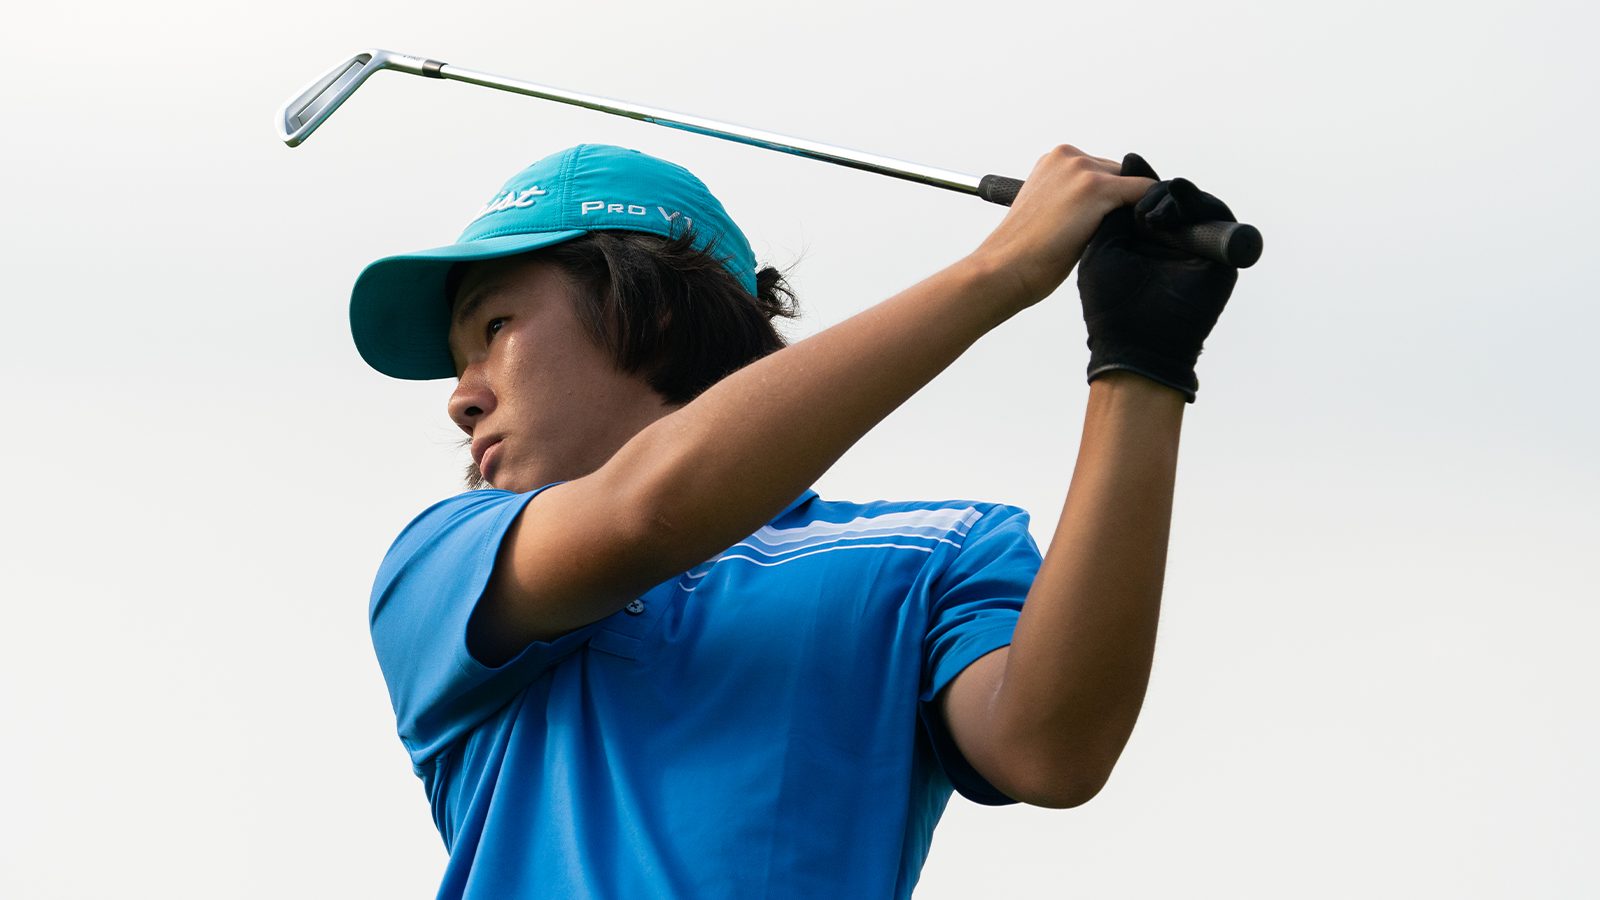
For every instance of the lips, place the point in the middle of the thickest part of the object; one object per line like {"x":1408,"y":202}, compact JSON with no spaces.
{"x":484,"y":453}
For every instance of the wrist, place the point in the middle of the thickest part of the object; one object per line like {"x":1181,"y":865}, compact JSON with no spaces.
{"x":1155,"y":367}
{"x":1127,"y":387}
{"x":998,"y":282}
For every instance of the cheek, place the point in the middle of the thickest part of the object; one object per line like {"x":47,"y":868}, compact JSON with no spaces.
{"x":533,"y":381}
{"x":547,"y":360}
{"x":572,"y":364}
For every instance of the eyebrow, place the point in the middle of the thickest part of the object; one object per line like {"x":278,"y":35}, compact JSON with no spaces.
{"x":467,"y":307}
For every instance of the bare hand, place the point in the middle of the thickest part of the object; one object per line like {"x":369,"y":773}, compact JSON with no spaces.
{"x":1056,"y":212}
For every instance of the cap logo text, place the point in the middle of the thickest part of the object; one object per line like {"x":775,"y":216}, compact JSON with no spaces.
{"x":510,"y":200}
{"x":589,"y":206}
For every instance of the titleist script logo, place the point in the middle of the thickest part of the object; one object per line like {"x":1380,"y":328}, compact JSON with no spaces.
{"x":631,"y":209}
{"x":509,"y":200}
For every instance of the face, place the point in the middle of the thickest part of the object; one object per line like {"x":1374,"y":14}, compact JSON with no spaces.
{"x":539,"y":400}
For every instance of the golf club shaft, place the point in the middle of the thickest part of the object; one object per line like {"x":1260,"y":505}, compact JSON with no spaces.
{"x":1227,"y":242}
{"x":755,"y":137}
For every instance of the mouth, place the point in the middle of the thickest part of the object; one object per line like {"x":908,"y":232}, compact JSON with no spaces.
{"x":484,"y":454}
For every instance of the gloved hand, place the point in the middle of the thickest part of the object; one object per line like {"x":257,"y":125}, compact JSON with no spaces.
{"x":1150,"y":308}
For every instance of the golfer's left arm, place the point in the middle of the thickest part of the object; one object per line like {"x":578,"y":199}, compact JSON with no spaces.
{"x":1045,"y":719}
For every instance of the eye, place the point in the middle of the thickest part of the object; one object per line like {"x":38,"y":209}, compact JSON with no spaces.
{"x":494,"y":327}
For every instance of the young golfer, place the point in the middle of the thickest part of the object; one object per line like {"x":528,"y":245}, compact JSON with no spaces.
{"x":647,"y":660}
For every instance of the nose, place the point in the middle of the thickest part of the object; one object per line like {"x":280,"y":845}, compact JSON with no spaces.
{"x":470,"y":401}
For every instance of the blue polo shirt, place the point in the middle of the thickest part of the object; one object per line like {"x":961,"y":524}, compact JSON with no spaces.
{"x":758,"y":727}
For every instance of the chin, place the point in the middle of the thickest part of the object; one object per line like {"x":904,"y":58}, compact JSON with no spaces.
{"x":507,"y":481}
{"x":519,"y":479}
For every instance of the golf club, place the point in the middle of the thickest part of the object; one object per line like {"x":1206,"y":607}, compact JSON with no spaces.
{"x":1233,"y":243}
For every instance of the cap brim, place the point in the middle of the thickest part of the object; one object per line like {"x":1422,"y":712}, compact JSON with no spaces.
{"x":398,"y":314}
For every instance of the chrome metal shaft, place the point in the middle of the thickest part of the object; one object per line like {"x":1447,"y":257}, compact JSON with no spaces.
{"x":843,"y":156}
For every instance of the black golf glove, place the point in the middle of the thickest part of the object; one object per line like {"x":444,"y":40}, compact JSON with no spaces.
{"x":1149,"y":308}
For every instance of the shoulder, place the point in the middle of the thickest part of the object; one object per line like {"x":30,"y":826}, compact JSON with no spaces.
{"x":462,"y":507}
{"x":472,"y":514}
{"x":454,"y":539}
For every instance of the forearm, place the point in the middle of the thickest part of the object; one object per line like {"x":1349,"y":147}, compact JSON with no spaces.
{"x":1058,"y":711}
{"x":720,"y":467}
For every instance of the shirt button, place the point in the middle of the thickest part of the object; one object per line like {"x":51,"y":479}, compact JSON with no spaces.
{"x":635,"y":608}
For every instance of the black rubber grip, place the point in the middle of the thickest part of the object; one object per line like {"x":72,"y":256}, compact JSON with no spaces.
{"x":1234,"y":243}
{"x":999,"y":189}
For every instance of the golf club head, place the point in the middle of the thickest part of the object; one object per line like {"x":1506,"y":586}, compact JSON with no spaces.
{"x":312,"y":106}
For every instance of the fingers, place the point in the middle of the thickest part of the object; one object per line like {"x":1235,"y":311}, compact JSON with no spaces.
{"x":1066,"y":154}
{"x":1182,"y":202}
{"x":1126,"y":186}
{"x":1131,"y":189}
{"x":1134,"y":164}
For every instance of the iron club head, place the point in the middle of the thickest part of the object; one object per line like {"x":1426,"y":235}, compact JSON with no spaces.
{"x":312,"y":106}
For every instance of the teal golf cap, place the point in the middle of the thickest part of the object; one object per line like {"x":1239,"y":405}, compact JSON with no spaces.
{"x":398,"y":312}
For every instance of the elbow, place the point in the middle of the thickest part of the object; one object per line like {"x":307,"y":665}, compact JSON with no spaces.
{"x":1056,"y":778}
{"x":1058,"y":790}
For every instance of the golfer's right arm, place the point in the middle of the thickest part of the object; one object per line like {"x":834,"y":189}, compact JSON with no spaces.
{"x":711,"y":473}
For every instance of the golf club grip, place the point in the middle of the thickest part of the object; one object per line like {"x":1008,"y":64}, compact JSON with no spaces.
{"x":1233,"y":243}
{"x":999,"y":189}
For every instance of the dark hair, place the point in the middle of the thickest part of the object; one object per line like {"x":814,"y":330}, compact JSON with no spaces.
{"x":666,"y":309}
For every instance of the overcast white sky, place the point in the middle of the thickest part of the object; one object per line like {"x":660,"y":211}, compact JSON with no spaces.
{"x":1376,"y":674}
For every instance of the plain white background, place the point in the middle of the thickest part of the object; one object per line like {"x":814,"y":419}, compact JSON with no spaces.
{"x":1375,"y":674}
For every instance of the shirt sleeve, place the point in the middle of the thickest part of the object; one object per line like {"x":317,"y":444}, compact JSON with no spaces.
{"x":425,"y":592}
{"x":974,"y":605}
